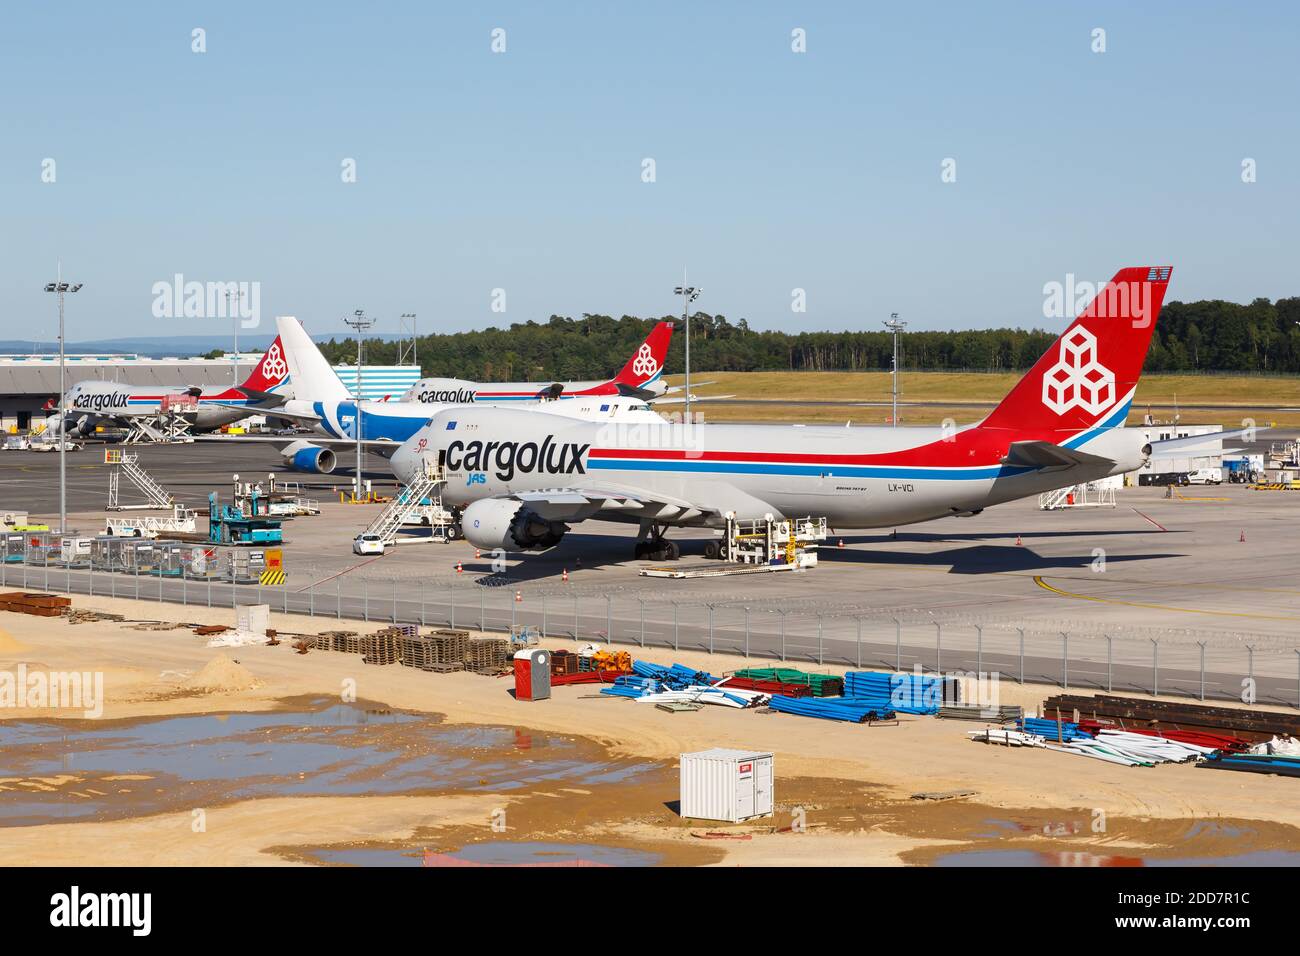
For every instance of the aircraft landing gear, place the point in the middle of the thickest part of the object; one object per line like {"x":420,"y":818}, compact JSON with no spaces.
{"x":657,"y":548}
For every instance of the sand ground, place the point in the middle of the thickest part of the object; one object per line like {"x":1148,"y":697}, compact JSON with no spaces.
{"x":851,"y":784}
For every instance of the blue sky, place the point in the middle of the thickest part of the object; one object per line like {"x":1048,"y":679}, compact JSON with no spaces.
{"x":522,"y":170}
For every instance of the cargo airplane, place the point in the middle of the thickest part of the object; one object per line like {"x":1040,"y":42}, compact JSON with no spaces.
{"x":90,"y":403}
{"x":523,"y":479}
{"x":641,"y":377}
{"x":323,"y":403}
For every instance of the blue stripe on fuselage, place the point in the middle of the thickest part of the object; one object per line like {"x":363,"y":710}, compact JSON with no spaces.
{"x":829,"y":471}
{"x":1112,"y":421}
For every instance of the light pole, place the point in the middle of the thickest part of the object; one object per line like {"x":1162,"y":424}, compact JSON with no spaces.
{"x":895,"y":326}
{"x":359,"y":323}
{"x":60,"y":287}
{"x":234,"y":316}
{"x":689,"y":294}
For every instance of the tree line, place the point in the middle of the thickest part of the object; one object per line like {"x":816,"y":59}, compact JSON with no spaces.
{"x":1205,"y":336}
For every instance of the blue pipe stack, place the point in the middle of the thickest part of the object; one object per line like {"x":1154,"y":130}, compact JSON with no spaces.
{"x":631,"y":687}
{"x":676,"y":677}
{"x":904,"y":693}
{"x":1048,"y":728}
{"x":851,"y":709}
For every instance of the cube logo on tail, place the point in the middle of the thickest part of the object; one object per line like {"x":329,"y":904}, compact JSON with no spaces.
{"x":1078,"y":380}
{"x":273,"y":366}
{"x":644,"y":364}
{"x":270,"y":373}
{"x":647,"y":364}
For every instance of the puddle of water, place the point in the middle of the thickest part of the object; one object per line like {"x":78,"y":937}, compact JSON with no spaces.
{"x":1053,"y":859}
{"x":340,"y":749}
{"x":495,"y":854}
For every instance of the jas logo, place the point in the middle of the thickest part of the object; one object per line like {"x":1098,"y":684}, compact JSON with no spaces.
{"x":508,"y":458}
{"x":476,"y":478}
{"x":1078,"y":380}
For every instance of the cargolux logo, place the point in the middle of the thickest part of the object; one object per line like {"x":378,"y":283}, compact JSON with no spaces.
{"x":510,"y":457}
{"x":1078,"y":380}
{"x":446,"y":396}
{"x":644,"y":364}
{"x":100,"y":401}
{"x":273,"y":366}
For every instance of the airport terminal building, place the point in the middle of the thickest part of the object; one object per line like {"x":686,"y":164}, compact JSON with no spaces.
{"x":30,"y":382}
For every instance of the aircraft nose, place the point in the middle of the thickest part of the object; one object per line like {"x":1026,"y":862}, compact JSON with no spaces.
{"x":405,"y":462}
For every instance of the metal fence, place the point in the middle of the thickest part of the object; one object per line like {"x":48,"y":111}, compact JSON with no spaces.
{"x":1200,"y":664}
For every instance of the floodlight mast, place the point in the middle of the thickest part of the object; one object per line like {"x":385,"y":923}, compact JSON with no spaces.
{"x":689,"y":294}
{"x":61,"y":288}
{"x":896,"y":327}
{"x":360,"y":324}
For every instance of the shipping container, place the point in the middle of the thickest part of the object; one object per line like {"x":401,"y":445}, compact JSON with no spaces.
{"x":727,"y":785}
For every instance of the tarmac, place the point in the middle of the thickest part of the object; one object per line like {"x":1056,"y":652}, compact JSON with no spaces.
{"x":1196,"y":593}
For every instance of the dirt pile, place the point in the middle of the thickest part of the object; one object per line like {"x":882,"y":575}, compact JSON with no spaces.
{"x":221,"y":675}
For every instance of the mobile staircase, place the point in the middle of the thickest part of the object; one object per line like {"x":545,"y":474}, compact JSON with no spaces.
{"x":417,"y":503}
{"x":126,"y":463}
{"x":1087,"y":495}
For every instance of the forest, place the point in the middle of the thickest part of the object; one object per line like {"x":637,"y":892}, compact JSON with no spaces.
{"x":1262,"y":337}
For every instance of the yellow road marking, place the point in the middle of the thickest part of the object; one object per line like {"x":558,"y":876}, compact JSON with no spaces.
{"x":1038,"y":579}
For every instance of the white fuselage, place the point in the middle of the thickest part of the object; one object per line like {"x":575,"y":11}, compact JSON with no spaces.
{"x":748,"y":470}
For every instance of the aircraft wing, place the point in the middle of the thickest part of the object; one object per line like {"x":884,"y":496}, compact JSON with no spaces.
{"x":373,"y":443}
{"x":695,"y":399}
{"x":1044,"y":454}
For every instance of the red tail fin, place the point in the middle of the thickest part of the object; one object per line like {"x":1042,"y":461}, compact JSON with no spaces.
{"x":648,"y":362}
{"x":270,"y":373}
{"x":1088,"y":376}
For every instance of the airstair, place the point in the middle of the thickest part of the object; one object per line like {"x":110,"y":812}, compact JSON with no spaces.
{"x":1091,"y":494}
{"x":417,"y":503}
{"x":125,"y":463}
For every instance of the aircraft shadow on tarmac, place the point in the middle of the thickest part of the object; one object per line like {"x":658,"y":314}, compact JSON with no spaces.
{"x":578,"y":552}
{"x":983,"y":559}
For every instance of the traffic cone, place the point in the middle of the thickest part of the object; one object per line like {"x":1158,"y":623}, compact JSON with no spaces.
{"x":1019,"y":543}
{"x":841,"y":544}
{"x":519,"y":596}
{"x":477,"y":554}
{"x":565,"y":575}
{"x":1243,"y":536}
{"x":459,"y":569}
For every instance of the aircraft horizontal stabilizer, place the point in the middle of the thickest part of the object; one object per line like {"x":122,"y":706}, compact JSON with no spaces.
{"x":265,"y":399}
{"x":1044,"y":454}
{"x":1158,"y":448}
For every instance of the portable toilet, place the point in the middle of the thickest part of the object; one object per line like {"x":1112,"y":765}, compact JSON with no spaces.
{"x":532,"y":674}
{"x":727,"y":785}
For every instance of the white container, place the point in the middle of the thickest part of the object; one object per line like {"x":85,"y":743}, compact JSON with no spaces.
{"x":727,"y":785}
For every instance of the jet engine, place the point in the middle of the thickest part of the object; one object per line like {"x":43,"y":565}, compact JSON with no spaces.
{"x":497,"y":523}
{"x":313,"y":459}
